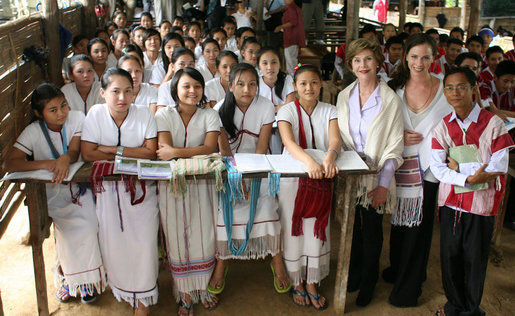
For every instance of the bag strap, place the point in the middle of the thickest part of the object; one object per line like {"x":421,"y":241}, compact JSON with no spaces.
{"x":270,"y":4}
{"x":54,"y":151}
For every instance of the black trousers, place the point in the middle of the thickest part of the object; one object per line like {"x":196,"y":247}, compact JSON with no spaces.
{"x":409,"y":252}
{"x":367,"y":241}
{"x":464,"y":246}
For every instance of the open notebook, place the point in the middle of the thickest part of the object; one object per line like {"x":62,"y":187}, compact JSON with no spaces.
{"x":42,"y":174}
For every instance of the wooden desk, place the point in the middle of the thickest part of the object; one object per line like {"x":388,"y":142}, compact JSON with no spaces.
{"x":40,"y":227}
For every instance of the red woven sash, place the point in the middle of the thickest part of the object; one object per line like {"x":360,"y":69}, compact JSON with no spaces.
{"x":314,"y":197}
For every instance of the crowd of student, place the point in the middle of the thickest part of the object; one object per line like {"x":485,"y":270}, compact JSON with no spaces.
{"x":179,"y":90}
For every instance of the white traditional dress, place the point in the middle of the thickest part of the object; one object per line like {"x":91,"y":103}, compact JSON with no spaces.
{"x":276,"y":145}
{"x":265,"y":237}
{"x":306,"y":257}
{"x":214,"y":90}
{"x":206,"y":73}
{"x":164,"y":94}
{"x":147,"y":95}
{"x":149,"y":66}
{"x":75,"y":221}
{"x":189,"y":220}
{"x":158,"y":73}
{"x":128,"y":230}
{"x":112,"y":61}
{"x":76,"y":102}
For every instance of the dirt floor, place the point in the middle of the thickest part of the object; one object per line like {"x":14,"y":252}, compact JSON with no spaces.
{"x":246,"y":293}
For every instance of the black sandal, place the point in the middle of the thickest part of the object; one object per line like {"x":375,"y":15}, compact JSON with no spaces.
{"x":187,"y":307}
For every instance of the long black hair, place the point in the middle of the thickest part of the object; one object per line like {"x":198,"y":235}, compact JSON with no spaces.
{"x":281,"y":76}
{"x":193,"y":73}
{"x":168,"y":37}
{"x":228,"y":107}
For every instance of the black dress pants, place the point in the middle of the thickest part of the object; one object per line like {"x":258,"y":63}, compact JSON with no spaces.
{"x":464,"y":247}
{"x":367,"y":241}
{"x":409,"y":252}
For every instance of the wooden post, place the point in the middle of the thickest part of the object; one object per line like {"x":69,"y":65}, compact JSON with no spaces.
{"x":51,"y":36}
{"x":260,"y":26}
{"x":403,"y":7}
{"x":421,"y":11}
{"x":38,"y":222}
{"x":347,"y":226}
{"x":352,"y":21}
{"x":89,"y":18}
{"x":463,"y":14}
{"x":475,"y":11}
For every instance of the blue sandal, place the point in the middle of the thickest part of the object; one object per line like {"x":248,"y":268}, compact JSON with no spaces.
{"x":316,"y":298}
{"x":187,"y":307}
{"x":63,"y":293}
{"x":293,"y":291}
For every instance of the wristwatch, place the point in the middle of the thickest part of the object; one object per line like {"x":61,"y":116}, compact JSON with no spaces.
{"x":119,"y":151}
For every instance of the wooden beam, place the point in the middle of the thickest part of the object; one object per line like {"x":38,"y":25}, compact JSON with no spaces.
{"x":89,"y":18}
{"x":403,"y":7}
{"x":463,"y":14}
{"x":421,"y":11}
{"x":352,"y":21}
{"x":475,"y":11}
{"x":51,"y":36}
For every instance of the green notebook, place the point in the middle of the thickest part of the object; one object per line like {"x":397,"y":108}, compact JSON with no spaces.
{"x":463,"y":154}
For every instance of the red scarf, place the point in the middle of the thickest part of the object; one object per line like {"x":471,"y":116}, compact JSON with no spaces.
{"x":314,"y":197}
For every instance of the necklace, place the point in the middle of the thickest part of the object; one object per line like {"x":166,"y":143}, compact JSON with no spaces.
{"x":423,"y":106}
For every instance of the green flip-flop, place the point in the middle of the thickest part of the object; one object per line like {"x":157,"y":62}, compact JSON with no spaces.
{"x":276,"y":285}
{"x":212,"y":290}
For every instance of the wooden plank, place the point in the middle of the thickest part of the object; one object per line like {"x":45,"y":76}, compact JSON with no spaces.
{"x":38,"y":219}
{"x":342,"y":272}
{"x":5,"y":204}
{"x":6,"y":218}
{"x":51,"y":33}
{"x":475,"y":10}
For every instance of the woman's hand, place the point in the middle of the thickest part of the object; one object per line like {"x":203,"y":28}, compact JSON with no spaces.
{"x":60,"y":167}
{"x":315,"y":170}
{"x":483,"y":177}
{"x":412,"y":138}
{"x":378,"y":196}
{"x":330,"y":167}
{"x":278,"y":29}
{"x":165,"y":152}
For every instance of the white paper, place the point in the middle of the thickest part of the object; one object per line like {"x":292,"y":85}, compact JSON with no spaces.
{"x":251,"y":163}
{"x":510,"y":124}
{"x":124,"y":165}
{"x":43,"y":174}
{"x":154,"y":170}
{"x":286,"y":164}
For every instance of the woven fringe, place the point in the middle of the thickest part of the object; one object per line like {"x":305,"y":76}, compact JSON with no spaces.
{"x":81,"y":288}
{"x":315,"y":275}
{"x":408,"y":212}
{"x":257,"y":248}
{"x":197,"y":282}
{"x":273,"y":183}
{"x":134,"y":302}
{"x":365,"y":185}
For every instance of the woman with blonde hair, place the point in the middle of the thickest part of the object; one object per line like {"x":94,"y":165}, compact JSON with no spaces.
{"x":370,"y":121}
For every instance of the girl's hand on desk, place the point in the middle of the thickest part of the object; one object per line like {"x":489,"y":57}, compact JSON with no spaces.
{"x":165,"y":152}
{"x":330,"y":168}
{"x":315,"y":171}
{"x":61,"y":168}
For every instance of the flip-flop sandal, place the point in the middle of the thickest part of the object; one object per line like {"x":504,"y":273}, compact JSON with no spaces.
{"x":63,"y":293}
{"x":212,"y":307}
{"x":187,"y":307}
{"x":293,"y":291}
{"x":316,"y":298}
{"x":276,"y":285}
{"x":212,"y":290}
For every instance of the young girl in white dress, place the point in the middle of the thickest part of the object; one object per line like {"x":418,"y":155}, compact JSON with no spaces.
{"x":119,"y":40}
{"x":84,"y":91}
{"x":210,"y":50}
{"x":151,"y":55}
{"x":98,"y":51}
{"x":190,"y":128}
{"x":181,"y":57}
{"x":276,"y":86}
{"x":308,"y":123}
{"x":163,"y":71}
{"x":216,"y":87}
{"x":144,"y":93}
{"x":53,"y":141}
{"x":247,"y":120}
{"x":127,"y":214}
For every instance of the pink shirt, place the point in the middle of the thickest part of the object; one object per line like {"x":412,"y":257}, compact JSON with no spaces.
{"x":296,"y":34}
